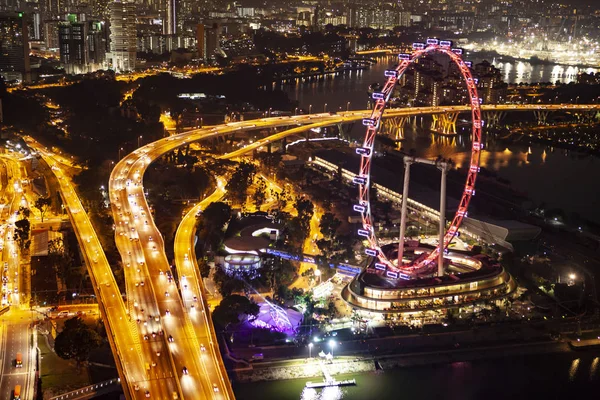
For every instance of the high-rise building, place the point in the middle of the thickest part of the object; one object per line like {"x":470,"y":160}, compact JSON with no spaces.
{"x":50,"y":33}
{"x":14,"y":47}
{"x":170,"y":22}
{"x":207,"y":40}
{"x":82,"y":46}
{"x":122,"y":35}
{"x":72,"y":42}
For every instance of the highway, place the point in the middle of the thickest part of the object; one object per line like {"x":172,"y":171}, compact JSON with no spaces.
{"x":142,"y":249}
{"x":131,"y":355}
{"x":15,"y":337}
{"x":193,"y":293}
{"x":14,"y":325}
{"x":13,"y":196}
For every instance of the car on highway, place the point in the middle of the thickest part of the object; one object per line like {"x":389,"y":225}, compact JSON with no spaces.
{"x":171,"y":340}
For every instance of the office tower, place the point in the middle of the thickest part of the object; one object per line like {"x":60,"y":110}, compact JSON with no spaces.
{"x":14,"y":47}
{"x":122,"y":35}
{"x":170,"y":22}
{"x":207,"y":40}
{"x":82,"y":46}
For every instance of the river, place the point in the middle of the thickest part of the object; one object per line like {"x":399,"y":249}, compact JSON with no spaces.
{"x":541,"y":376}
{"x":556,"y":177}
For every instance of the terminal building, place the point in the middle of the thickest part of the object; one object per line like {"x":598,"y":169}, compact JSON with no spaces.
{"x":470,"y":280}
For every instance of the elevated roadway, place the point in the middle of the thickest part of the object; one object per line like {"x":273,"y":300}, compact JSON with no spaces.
{"x":152,"y":294}
{"x":193,"y":293}
{"x":131,"y":354}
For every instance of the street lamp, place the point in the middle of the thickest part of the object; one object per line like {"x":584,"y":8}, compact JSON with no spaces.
{"x":332,"y":345}
{"x":318,"y":274}
{"x":120,"y":150}
{"x":139,"y":138}
{"x":325,"y":107}
{"x":310,"y":346}
{"x":348,"y":106}
{"x":310,"y":108}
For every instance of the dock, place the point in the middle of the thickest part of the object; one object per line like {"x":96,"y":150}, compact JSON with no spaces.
{"x":324,"y":384}
{"x":329,"y":381}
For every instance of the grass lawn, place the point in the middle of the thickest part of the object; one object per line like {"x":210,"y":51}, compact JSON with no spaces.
{"x":58,"y":375}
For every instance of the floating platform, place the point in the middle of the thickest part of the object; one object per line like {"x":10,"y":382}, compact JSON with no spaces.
{"x":324,"y":384}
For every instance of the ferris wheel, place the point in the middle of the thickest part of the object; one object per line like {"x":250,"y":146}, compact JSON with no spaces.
{"x":427,"y":260}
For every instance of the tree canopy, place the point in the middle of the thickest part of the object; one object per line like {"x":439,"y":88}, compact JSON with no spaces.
{"x":232,"y":308}
{"x":76,"y":341}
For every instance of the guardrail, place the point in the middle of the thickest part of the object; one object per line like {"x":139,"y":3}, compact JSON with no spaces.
{"x":4,"y":310}
{"x":86,"y":391}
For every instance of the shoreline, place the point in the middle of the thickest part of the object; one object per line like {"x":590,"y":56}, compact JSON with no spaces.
{"x":344,"y":365}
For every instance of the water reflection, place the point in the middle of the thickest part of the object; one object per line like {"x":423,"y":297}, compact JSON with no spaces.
{"x":573,"y":369}
{"x":328,"y":393}
{"x":593,"y":369}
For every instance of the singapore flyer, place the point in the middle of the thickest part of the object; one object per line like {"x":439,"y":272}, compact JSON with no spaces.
{"x":425,"y":261}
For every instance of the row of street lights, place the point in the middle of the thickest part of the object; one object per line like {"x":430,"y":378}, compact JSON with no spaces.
{"x":138,"y":145}
{"x":310,"y":108}
{"x":311,"y":344}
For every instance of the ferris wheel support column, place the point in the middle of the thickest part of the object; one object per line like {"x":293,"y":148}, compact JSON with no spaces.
{"x":407,"y":163}
{"x":444,"y":168}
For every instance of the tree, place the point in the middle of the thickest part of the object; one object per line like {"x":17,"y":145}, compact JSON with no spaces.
{"x":21,"y":236}
{"x":211,"y":224}
{"x":61,"y":260}
{"x":277,"y":271}
{"x":306,"y":210}
{"x":24,"y":212}
{"x":76,"y":341}
{"x":226,"y":284}
{"x":204,"y":267}
{"x":232,"y":308}
{"x":260,"y":193}
{"x":329,"y":225}
{"x":283,"y":198}
{"x":43,"y":204}
{"x":240,"y":181}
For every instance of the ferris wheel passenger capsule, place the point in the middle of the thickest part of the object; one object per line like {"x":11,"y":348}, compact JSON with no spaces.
{"x":371,"y":252}
{"x":359,"y":208}
{"x":380,"y":266}
{"x":359,"y":180}
{"x":363,"y":151}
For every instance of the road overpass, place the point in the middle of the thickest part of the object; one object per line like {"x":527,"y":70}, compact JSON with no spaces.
{"x":193,"y":293}
{"x":130,"y":354}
